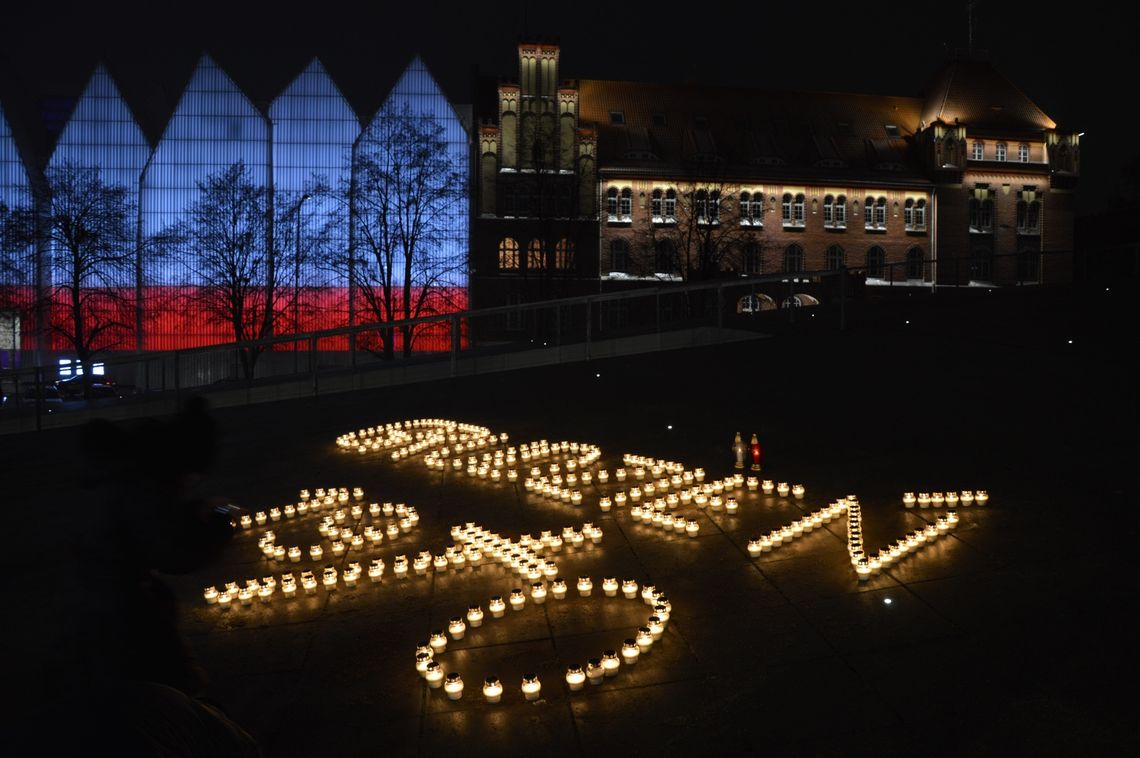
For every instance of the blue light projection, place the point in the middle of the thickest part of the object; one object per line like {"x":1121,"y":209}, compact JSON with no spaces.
{"x":17,"y":274}
{"x":314,"y":130}
{"x":418,"y":90}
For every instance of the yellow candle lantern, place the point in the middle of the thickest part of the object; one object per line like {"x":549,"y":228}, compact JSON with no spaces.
{"x":575,"y":678}
{"x":585,"y":586}
{"x":531,"y":687}
{"x":629,"y":589}
{"x":434,"y":675}
{"x":492,"y":689}
{"x":610,"y":586}
{"x":595,"y":671}
{"x":610,"y":663}
{"x":630,"y":652}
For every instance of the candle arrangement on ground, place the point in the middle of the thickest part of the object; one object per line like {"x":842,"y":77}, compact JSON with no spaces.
{"x":949,"y":499}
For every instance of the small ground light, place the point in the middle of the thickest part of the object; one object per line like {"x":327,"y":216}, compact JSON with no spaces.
{"x":1070,"y":342}
{"x":887,"y":601}
{"x":907,"y":321}
{"x":597,"y":376}
{"x":669,"y":427}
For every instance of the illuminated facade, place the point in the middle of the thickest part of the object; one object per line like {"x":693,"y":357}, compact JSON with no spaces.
{"x":292,"y":160}
{"x":689,"y":181}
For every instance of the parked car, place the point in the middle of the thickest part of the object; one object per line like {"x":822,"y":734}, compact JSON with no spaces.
{"x":71,"y":388}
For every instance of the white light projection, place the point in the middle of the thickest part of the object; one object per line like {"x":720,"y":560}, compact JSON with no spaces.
{"x":665,"y":494}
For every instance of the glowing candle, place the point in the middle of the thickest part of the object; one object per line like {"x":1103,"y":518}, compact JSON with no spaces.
{"x":329,"y":578}
{"x":782,"y":489}
{"x":603,"y":476}
{"x":550,"y":569}
{"x":644,"y":639}
{"x":585,"y":586}
{"x":224,"y":600}
{"x":492,"y":689}
{"x":768,"y":486}
{"x":438,"y":641}
{"x":620,"y":475}
{"x":517,"y":600}
{"x":387,"y":509}
{"x":434,"y":675}
{"x":629,"y":589}
{"x":422,"y":662}
{"x":246,"y":521}
{"x":923,"y":500}
{"x":575,"y":678}
{"x":951,"y":499}
{"x":610,"y":586}
{"x":439,"y":562}
{"x":400,"y":566}
{"x":730,"y":505}
{"x":595,"y":671}
{"x":497,"y":606}
{"x":908,"y":499}
{"x":798,"y":491}
{"x":538,"y":592}
{"x":338,"y":547}
{"x":260,"y":518}
{"x":967,"y":497}
{"x":937,"y":499}
{"x":456,"y":628}
{"x":863,"y":570}
{"x":211,"y":595}
{"x":952,"y":516}
{"x":656,"y":627}
{"x":531,"y":687}
{"x":630,"y":652}
{"x":754,"y":547}
{"x":316,"y":552}
{"x":981,"y":497}
{"x":692,"y":528}
{"x":647,"y":593}
{"x":699,"y":474}
{"x":610,"y":663}
{"x":288,"y":585}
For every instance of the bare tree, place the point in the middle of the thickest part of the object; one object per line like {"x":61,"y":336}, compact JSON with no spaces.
{"x":403,"y":198}
{"x":87,"y":225}
{"x":225,"y":241}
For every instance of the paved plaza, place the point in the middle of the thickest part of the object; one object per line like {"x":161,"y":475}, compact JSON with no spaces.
{"x":1007,"y":634}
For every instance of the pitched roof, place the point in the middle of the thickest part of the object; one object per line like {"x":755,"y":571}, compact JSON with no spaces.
{"x":754,"y":133}
{"x":975,"y":93}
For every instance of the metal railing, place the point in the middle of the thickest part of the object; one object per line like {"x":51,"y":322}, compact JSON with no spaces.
{"x":469,"y":342}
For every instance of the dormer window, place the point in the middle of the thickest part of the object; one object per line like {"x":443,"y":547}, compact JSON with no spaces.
{"x":1023,"y":153}
{"x":999,"y":151}
{"x":892,"y":130}
{"x":617,"y":117}
{"x":979,"y":151}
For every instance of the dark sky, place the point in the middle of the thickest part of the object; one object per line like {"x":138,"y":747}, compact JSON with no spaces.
{"x":1063,"y":61}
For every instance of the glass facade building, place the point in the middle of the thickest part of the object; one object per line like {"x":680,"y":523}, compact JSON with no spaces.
{"x":296,"y":156}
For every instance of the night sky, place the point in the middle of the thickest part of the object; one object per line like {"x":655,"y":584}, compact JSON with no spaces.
{"x":1062,"y":61}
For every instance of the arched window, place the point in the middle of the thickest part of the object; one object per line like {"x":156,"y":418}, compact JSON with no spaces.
{"x":876,"y":262}
{"x":708,"y":207}
{"x":1023,"y":153}
{"x":746,"y":208}
{"x":881,"y":213}
{"x":619,"y":256}
{"x":664,"y":257}
{"x":793,"y":259}
{"x":999,"y":151}
{"x":786,"y":213}
{"x":535,"y":255}
{"x":508,"y":255}
{"x":612,"y":203}
{"x":1028,"y":217}
{"x":564,"y":255}
{"x":625,"y":204}
{"x":670,"y":205}
{"x":875,"y":213}
{"x":798,"y":210}
{"x":835,"y":258}
{"x":914,"y":263}
{"x":752,"y":262}
{"x":835,"y":212}
{"x":701,"y":206}
{"x":979,"y":151}
{"x":655,"y":205}
{"x":914,"y":215}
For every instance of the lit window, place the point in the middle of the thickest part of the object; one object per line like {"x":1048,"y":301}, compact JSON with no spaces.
{"x":1023,"y":153}
{"x":619,"y":255}
{"x":793,"y":259}
{"x":625,"y":204}
{"x":745,"y":208}
{"x":875,"y":213}
{"x":714,"y":206}
{"x":798,"y":210}
{"x":508,"y":255}
{"x":979,"y":151}
{"x":920,"y":214}
{"x":707,"y":206}
{"x":876,"y":261}
{"x":787,"y":210}
{"x":835,"y":212}
{"x":908,"y":215}
{"x":617,"y":117}
{"x":999,"y":151}
{"x":655,"y":205}
{"x":914,"y":215}
{"x":835,"y":258}
{"x":535,"y":256}
{"x":564,"y":255}
{"x":612,"y":203}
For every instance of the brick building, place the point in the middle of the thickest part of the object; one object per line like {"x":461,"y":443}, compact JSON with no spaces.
{"x":589,"y":185}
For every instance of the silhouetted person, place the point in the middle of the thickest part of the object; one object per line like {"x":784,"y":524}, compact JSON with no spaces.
{"x":150,"y":519}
